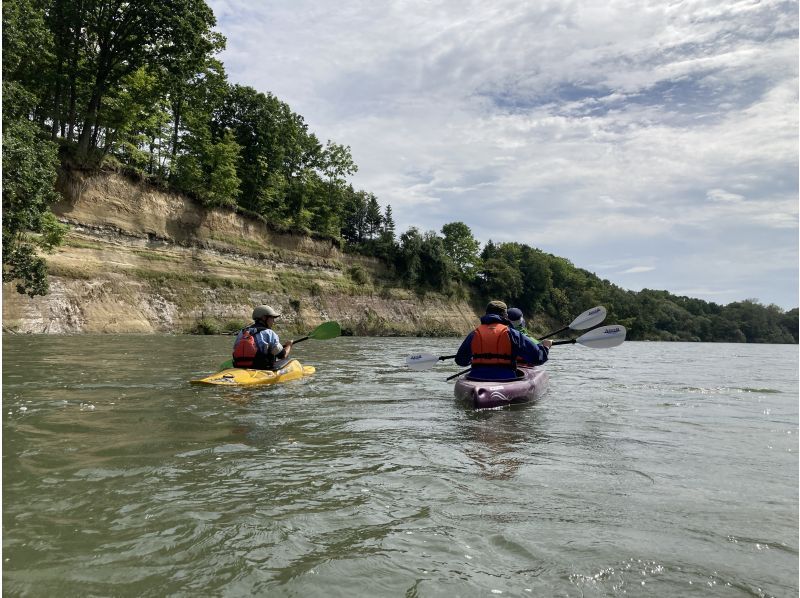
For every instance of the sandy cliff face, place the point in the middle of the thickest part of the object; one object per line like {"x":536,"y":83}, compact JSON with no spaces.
{"x":141,"y":260}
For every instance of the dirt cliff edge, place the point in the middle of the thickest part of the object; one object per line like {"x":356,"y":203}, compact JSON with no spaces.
{"x":139,"y":259}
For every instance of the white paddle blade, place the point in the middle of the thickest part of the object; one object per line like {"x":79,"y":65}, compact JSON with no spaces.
{"x":589,"y":318}
{"x":422,"y":361}
{"x":604,"y":337}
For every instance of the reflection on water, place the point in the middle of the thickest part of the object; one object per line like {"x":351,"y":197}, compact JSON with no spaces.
{"x":645,"y":470}
{"x":497,"y":439}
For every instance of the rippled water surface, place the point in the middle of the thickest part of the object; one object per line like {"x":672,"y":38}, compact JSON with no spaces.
{"x":651,"y":469}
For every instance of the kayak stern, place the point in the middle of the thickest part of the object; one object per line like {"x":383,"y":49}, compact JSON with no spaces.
{"x":488,"y":394}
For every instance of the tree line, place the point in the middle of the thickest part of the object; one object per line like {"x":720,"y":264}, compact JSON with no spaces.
{"x":138,"y":85}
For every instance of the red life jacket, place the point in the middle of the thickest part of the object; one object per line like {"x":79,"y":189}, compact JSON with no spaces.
{"x":245,"y":351}
{"x":491,"y":345}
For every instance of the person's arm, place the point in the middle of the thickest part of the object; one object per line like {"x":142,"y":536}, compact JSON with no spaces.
{"x":527,"y":333}
{"x":464,"y":353}
{"x":269,"y":343}
{"x":287,"y":348}
{"x":535,"y":354}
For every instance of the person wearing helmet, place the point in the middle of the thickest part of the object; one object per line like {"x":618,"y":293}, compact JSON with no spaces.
{"x":518,"y":322}
{"x":494,"y":348}
{"x":257,"y":346}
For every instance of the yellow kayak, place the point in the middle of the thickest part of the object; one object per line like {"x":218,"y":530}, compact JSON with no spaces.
{"x":292,"y":370}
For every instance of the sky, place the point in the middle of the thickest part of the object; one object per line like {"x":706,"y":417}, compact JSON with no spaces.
{"x":654,"y":143}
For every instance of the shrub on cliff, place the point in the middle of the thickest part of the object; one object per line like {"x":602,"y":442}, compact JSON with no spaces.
{"x":29,"y":173}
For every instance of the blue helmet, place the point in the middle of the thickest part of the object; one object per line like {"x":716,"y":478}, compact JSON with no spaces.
{"x":515,"y":317}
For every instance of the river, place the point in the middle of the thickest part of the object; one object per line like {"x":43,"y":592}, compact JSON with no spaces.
{"x":650,"y":469}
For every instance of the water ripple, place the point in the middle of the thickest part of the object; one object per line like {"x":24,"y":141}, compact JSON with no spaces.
{"x":646,"y":470}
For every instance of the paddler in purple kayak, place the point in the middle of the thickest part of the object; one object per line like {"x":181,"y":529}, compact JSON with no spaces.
{"x":494,"y":347}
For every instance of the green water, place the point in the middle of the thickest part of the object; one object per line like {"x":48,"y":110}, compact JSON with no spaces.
{"x":652,"y":469}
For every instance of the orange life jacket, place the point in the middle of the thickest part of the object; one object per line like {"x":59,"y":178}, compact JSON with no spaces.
{"x":246,"y":353}
{"x":491,"y":345}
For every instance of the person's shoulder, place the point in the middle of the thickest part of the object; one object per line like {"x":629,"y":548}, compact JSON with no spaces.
{"x":524,"y":338}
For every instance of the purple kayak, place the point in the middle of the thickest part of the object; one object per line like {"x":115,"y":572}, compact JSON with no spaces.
{"x":485,"y":394}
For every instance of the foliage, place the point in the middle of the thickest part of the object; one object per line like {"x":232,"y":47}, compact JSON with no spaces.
{"x":462,"y":248}
{"x":359,"y":275}
{"x":29,"y":173}
{"x":138,"y":83}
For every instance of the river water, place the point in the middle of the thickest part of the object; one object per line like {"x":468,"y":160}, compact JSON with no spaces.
{"x":650,"y":469}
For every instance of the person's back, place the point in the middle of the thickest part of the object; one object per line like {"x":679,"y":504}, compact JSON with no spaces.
{"x":492,"y":354}
{"x":257,"y":346}
{"x":494,"y":347}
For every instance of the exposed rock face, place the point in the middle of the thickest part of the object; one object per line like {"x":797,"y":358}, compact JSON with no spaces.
{"x":141,"y":260}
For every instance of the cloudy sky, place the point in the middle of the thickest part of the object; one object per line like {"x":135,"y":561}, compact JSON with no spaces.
{"x":654,"y":143}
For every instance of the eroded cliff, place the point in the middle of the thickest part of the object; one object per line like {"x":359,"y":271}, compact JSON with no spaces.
{"x":138,"y":259}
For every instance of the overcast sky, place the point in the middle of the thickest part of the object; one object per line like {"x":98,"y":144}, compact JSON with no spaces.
{"x":653,"y":143}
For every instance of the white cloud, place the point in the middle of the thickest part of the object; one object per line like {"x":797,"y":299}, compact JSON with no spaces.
{"x":638,"y":270}
{"x":592,"y":131}
{"x":723,"y":196}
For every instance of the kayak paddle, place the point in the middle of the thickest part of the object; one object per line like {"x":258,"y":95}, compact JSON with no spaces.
{"x":589,"y":318}
{"x":322,"y":332}
{"x":425,"y":361}
{"x":599,"y":338}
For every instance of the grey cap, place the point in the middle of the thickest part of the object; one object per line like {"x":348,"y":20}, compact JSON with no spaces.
{"x":264,"y":310}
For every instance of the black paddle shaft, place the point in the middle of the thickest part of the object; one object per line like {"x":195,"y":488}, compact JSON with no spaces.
{"x":554,"y":333}
{"x":458,"y":374}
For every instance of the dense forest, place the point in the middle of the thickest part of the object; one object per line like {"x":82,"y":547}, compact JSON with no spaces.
{"x":138,"y":86}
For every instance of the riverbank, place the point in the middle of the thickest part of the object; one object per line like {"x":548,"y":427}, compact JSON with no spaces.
{"x":138,"y":259}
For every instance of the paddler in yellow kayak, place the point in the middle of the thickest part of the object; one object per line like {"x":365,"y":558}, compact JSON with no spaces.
{"x":257,"y":347}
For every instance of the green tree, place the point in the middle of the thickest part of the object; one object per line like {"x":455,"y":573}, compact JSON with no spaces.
{"x":209,"y":171}
{"x":373,"y":218}
{"x":436,"y":270}
{"x":134,"y":118}
{"x":500,"y":279}
{"x":28,"y":48}
{"x":537,"y":280}
{"x":122,"y":37}
{"x":335,"y":164}
{"x":387,"y":232}
{"x":223,"y":183}
{"x":462,"y":248}
{"x":408,"y":260}
{"x":29,"y":174}
{"x":354,"y":217}
{"x":264,"y":128}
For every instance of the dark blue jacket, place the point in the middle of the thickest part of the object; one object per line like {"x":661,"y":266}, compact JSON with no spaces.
{"x":521,"y":346}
